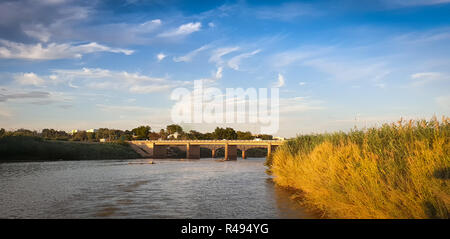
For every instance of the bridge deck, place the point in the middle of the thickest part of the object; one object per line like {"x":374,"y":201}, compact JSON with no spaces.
{"x":210,"y":142}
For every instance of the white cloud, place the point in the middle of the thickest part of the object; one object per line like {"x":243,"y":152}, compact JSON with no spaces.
{"x":280,"y":82}
{"x":147,"y":26}
{"x":29,"y":79}
{"x":218,"y":53}
{"x":215,"y":76}
{"x":219,"y":73}
{"x":182,"y":30}
{"x":160,"y":56}
{"x":188,"y":57}
{"x":211,"y":24}
{"x":234,"y":62}
{"x":424,"y":78}
{"x":97,"y":78}
{"x":302,"y":83}
{"x":14,"y":50}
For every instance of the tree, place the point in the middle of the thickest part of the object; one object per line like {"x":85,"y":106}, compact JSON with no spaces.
{"x":127,"y":135}
{"x":195,"y":135}
{"x":24,"y":132}
{"x":90,"y":136}
{"x":247,"y":135}
{"x":171,"y":129}
{"x":2,"y":132}
{"x":80,"y":136}
{"x":227,"y":133}
{"x":265,"y":136}
{"x":141,"y":132}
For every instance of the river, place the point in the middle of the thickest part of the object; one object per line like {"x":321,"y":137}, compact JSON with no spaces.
{"x":124,"y":189}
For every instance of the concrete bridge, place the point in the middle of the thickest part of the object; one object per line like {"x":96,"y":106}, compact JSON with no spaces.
{"x":158,"y":148}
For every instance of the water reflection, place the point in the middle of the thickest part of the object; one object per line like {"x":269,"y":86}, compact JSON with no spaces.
{"x":168,"y":189}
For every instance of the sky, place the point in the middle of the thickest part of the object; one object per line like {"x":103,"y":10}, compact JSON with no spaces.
{"x":68,"y":64}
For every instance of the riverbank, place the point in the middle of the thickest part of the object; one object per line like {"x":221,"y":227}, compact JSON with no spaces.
{"x":28,"y":148}
{"x":395,"y":171}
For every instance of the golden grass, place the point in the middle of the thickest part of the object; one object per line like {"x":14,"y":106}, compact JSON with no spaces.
{"x":396,"y":171}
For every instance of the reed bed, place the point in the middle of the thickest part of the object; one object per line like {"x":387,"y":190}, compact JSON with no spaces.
{"x":399,"y":170}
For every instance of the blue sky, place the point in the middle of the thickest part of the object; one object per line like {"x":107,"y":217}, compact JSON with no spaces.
{"x":87,"y":64}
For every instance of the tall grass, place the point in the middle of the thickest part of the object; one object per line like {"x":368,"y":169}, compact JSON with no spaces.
{"x":400,"y":170}
{"x":35,"y":148}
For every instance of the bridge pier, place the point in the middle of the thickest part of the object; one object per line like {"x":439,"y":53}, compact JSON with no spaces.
{"x":159,"y":151}
{"x":243,"y":154}
{"x":192,"y":151}
{"x":213,"y":153}
{"x":230,"y":152}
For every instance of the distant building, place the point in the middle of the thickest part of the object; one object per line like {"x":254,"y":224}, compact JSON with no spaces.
{"x":278,"y":138}
{"x":174,"y":135}
{"x":91,"y":130}
{"x":74,"y":131}
{"x":102,"y":140}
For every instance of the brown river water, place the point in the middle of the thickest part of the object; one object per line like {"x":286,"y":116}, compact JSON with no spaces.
{"x":125,"y":189}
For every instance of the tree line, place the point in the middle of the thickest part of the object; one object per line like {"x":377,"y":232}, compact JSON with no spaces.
{"x":144,"y":132}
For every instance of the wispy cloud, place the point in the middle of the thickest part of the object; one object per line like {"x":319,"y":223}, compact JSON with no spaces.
{"x":425,"y":78}
{"x":280,"y":81}
{"x":188,"y":57}
{"x":234,"y":62}
{"x":219,"y":53}
{"x":215,"y":76}
{"x":148,"y":26}
{"x":183,"y":30}
{"x":24,"y":95}
{"x":52,"y":51}
{"x":103,"y":79}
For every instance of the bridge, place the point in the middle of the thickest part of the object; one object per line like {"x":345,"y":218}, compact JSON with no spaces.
{"x":158,"y":148}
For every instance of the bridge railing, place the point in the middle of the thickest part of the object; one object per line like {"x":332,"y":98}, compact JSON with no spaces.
{"x":211,"y":141}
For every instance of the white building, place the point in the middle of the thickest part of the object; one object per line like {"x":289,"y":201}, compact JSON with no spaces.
{"x":91,"y":130}
{"x":174,"y":135}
